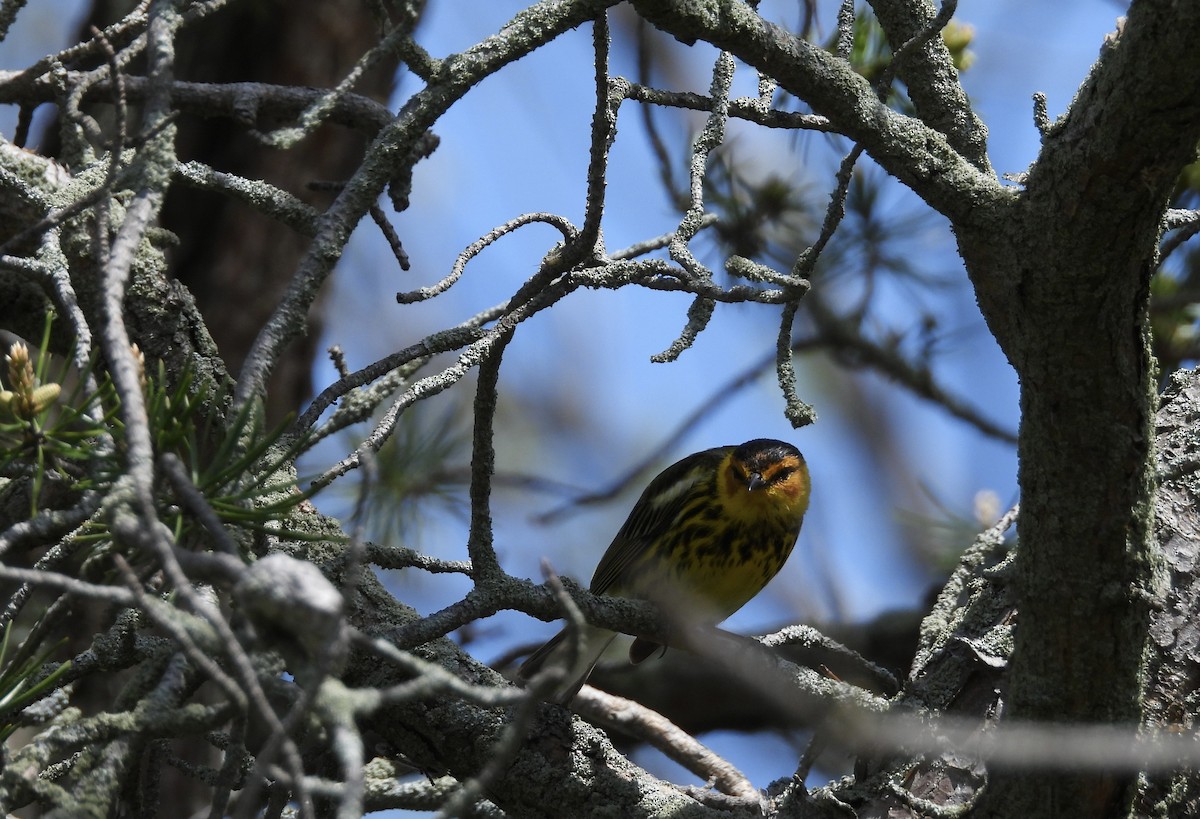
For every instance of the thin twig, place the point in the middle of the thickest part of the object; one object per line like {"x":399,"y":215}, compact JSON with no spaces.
{"x":707,"y":141}
{"x":568,"y":231}
{"x":70,"y":585}
{"x":609,"y":94}
{"x":651,"y":727}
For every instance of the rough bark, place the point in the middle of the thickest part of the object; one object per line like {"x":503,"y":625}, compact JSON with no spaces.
{"x":1173,"y":661}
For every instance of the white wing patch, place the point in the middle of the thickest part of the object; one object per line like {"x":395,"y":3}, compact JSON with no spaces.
{"x":678,"y":489}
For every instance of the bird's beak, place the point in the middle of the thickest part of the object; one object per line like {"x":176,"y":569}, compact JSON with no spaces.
{"x":755,"y":481}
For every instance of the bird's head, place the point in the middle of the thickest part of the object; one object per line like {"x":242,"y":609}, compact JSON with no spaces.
{"x":764,"y":477}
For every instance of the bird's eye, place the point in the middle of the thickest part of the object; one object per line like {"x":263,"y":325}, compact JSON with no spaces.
{"x":782,"y":474}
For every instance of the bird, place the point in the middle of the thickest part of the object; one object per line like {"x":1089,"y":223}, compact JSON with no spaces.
{"x":705,"y":536}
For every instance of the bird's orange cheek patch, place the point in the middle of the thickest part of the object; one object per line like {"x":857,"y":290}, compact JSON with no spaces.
{"x":794,"y":491}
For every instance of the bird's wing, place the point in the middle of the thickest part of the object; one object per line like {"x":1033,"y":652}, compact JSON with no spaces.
{"x":655,"y":513}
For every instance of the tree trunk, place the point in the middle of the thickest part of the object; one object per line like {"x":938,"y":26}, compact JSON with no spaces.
{"x":1065,"y":289}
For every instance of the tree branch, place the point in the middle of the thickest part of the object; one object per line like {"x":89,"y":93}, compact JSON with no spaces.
{"x":907,"y":148}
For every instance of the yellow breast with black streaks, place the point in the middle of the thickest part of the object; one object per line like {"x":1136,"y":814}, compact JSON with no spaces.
{"x":731,"y":534}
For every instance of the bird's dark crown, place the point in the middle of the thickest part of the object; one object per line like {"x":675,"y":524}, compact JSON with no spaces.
{"x":761,"y":453}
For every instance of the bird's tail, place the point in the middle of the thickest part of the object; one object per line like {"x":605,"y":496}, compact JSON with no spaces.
{"x":577,"y":657}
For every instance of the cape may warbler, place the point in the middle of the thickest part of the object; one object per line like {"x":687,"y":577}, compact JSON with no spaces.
{"x":705,"y":537}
